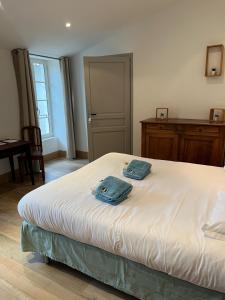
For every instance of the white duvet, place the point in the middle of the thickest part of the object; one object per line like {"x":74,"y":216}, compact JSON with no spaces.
{"x":159,"y":225}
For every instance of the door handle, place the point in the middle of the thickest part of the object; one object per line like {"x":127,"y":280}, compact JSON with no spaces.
{"x":90,"y":117}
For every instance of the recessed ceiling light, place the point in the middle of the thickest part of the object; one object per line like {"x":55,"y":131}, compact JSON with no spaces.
{"x":68,"y":24}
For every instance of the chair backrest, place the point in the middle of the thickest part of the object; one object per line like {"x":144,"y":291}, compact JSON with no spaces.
{"x":33,"y":135}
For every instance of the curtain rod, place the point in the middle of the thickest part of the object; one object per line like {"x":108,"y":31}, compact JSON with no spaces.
{"x":44,"y":56}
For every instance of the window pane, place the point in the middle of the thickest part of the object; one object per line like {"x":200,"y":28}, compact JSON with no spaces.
{"x":44,"y":125}
{"x":40,"y":78}
{"x":42,"y":108}
{"x":39,"y":73}
{"x":41,"y":91}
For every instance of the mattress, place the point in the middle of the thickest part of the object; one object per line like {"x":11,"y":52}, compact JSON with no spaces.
{"x":159,"y":225}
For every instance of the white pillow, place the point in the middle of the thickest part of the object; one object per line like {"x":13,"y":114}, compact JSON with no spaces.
{"x":215,"y":227}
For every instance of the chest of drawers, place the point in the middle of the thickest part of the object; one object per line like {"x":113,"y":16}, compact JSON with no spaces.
{"x":194,"y":141}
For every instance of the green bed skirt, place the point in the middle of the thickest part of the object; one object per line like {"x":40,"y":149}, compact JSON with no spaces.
{"x":118,"y":272}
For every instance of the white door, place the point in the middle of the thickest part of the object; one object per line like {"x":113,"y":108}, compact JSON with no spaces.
{"x":108,"y":97}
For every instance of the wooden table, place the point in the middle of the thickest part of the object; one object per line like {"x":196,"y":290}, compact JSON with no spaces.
{"x":18,"y":147}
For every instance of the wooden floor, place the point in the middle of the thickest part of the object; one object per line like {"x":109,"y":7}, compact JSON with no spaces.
{"x":24,"y":275}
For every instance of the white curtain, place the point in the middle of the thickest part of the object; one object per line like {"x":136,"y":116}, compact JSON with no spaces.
{"x":27,"y":103}
{"x":69,"y":106}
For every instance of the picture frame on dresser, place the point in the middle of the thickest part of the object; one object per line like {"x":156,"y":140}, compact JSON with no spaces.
{"x":217,"y":115}
{"x":162,"y":113}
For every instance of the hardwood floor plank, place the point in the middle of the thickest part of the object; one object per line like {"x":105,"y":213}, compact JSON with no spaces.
{"x":72,"y":280}
{"x":11,"y":231}
{"x":8,"y":292}
{"x":30,"y":282}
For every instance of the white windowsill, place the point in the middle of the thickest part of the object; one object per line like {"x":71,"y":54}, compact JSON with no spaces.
{"x":48,"y":138}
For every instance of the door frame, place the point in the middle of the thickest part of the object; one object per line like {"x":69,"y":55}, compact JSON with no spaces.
{"x":86,"y":60}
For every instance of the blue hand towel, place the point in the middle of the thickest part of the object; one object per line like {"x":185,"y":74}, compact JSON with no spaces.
{"x":137,"y":169}
{"x":113,"y":190}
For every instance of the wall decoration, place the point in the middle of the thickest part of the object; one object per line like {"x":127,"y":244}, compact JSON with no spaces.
{"x":217,"y":115}
{"x":162,"y":113}
{"x":214,"y":61}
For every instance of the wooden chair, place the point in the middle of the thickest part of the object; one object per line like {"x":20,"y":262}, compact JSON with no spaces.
{"x":33,"y":135}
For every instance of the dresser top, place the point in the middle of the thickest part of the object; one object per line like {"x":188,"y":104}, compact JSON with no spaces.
{"x":183,"y":121}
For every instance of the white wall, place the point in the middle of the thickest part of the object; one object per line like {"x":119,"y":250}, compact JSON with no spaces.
{"x":169,"y":60}
{"x":9,"y":107}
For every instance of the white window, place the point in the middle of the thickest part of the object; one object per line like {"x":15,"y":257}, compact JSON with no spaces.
{"x":42,"y":93}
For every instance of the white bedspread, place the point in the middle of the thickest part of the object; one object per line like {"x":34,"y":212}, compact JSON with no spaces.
{"x":159,"y":225}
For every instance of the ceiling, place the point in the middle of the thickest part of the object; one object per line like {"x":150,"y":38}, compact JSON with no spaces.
{"x":39,"y":25}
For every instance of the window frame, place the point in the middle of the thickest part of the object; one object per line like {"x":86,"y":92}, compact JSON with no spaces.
{"x":44,"y":62}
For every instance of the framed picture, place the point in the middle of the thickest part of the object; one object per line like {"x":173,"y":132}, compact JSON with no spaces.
{"x":162,"y":113}
{"x":217,"y":114}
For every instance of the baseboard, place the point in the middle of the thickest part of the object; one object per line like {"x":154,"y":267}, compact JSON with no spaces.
{"x":7,"y":177}
{"x":4,"y":178}
{"x":81,"y":154}
{"x":62,"y":154}
{"x":55,"y":155}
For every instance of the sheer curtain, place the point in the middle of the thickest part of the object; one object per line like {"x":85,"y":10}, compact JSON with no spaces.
{"x":27,"y":104}
{"x":69,"y":106}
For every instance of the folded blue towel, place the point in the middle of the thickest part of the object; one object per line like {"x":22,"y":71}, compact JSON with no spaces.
{"x":113,"y":190}
{"x":137,"y":169}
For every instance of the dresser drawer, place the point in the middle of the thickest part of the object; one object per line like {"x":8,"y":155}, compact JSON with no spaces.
{"x":159,"y":127}
{"x":200,"y":130}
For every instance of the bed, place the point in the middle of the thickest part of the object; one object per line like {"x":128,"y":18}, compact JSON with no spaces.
{"x":150,"y":246}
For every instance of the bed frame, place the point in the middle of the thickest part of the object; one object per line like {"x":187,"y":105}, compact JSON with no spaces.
{"x":123,"y":274}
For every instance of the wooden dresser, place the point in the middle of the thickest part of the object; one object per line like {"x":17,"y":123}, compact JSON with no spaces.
{"x":195,"y":141}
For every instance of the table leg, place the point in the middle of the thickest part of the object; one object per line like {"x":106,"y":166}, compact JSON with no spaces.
{"x":29,"y":160}
{"x":11,"y":161}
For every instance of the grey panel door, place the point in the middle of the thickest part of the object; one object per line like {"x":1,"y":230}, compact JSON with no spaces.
{"x":108,"y":96}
